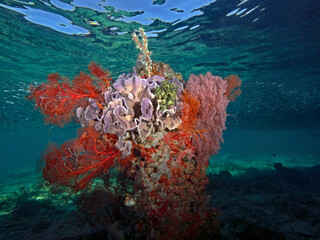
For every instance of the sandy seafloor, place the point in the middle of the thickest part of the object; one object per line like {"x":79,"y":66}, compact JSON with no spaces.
{"x":275,"y":202}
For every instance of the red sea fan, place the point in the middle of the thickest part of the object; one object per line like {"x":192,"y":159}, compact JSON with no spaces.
{"x":210,"y":91}
{"x":58,"y":98}
{"x":79,"y":161}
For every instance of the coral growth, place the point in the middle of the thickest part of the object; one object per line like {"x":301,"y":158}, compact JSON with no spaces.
{"x":131,"y":110}
{"x":155,"y":131}
{"x":189,"y":113}
{"x":58,"y":98}
{"x":144,"y":60}
{"x":167,"y":94}
{"x":164,"y":70}
{"x":210,"y":91}
{"x":78,"y":161}
{"x":172,"y":187}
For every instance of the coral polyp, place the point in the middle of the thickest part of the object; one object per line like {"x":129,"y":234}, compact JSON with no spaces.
{"x":153,"y":129}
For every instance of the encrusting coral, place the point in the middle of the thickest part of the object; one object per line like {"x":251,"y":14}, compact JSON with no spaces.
{"x":153,"y":130}
{"x":167,"y":94}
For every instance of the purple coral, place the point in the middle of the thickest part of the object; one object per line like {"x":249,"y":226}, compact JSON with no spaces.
{"x":130,"y":107}
{"x":146,"y":108}
{"x":209,"y":90}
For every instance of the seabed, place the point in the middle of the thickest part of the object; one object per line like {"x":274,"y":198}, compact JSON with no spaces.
{"x":275,"y":201}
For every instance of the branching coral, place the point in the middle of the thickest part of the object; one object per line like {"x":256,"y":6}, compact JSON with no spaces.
{"x":144,"y":57}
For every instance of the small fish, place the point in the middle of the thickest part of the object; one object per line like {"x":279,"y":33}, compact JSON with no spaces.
{"x":274,"y":155}
{"x":94,"y":23}
{"x":109,"y":31}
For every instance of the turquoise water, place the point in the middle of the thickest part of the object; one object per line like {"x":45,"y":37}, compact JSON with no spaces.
{"x":272,"y":45}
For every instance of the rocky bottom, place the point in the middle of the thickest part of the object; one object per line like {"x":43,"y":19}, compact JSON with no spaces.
{"x":278,"y":204}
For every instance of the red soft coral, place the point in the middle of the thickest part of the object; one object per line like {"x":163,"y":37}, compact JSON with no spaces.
{"x":78,"y":161}
{"x":189,"y":111}
{"x":189,"y":114}
{"x":58,"y":98}
{"x":210,"y":92}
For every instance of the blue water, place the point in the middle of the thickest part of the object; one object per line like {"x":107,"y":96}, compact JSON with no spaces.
{"x":272,"y":45}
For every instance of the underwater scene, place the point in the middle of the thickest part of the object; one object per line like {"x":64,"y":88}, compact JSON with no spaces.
{"x":160,"y":119}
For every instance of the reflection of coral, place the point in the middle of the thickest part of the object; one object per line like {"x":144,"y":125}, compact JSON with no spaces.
{"x":233,"y":87}
{"x":102,"y":74}
{"x":209,"y":91}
